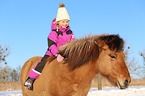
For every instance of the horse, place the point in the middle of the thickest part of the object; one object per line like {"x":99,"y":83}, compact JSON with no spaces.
{"x":84,"y":59}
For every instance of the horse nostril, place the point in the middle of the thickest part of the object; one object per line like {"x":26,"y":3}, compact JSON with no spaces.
{"x":126,"y":82}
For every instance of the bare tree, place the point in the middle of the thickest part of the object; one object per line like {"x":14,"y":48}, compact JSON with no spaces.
{"x":143,"y":67}
{"x":18,"y":69}
{"x":132,"y":65}
{"x":3,"y":54}
{"x":15,"y":74}
{"x":5,"y":72}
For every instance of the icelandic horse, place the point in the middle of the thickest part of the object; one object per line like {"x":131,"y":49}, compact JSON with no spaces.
{"x":84,"y":58}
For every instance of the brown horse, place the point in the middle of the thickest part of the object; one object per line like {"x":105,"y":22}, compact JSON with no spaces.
{"x":84,"y":58}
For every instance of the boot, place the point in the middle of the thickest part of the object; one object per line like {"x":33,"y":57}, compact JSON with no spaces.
{"x":29,"y":83}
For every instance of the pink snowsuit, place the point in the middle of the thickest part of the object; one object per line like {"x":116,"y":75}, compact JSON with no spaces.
{"x":55,"y":40}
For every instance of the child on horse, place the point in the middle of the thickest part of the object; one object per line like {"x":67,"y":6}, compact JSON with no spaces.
{"x":60,"y":35}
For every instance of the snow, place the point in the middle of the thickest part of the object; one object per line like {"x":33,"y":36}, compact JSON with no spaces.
{"x":10,"y":93}
{"x":131,"y":91}
{"x":113,"y":91}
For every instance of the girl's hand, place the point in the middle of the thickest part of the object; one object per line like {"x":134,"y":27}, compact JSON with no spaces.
{"x":59,"y":58}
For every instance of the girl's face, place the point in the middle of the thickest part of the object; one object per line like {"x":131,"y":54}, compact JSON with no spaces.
{"x":63,"y":23}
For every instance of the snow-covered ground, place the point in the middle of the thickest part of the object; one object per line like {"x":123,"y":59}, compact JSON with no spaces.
{"x":131,"y":91}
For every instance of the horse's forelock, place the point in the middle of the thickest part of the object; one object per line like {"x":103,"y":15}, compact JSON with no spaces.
{"x":114,"y":42}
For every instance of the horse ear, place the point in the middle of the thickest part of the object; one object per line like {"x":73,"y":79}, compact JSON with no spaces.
{"x":102,"y":44}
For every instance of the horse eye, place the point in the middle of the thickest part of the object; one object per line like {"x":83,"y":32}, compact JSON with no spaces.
{"x":112,"y":56}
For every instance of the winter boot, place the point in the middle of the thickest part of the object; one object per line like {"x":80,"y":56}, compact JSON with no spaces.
{"x":29,"y":83}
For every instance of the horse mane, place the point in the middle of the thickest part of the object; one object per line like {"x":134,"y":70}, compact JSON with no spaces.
{"x":81,"y":51}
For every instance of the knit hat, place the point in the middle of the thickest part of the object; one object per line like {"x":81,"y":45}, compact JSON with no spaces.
{"x":62,"y":13}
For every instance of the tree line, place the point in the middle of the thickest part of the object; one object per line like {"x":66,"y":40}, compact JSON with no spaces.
{"x":9,"y":74}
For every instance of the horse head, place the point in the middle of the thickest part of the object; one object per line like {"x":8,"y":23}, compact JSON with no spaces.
{"x":111,"y":63}
{"x":105,"y":52}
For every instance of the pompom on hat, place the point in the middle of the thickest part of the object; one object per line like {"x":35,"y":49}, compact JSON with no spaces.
{"x":62,"y":13}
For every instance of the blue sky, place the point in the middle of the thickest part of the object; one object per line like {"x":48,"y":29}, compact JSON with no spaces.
{"x":25,"y":24}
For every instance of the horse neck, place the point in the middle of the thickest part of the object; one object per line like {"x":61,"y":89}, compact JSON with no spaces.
{"x":85,"y":72}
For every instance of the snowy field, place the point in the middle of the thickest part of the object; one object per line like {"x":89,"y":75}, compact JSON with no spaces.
{"x":131,"y":91}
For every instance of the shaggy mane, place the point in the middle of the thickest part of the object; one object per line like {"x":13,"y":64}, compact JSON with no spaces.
{"x":81,"y":51}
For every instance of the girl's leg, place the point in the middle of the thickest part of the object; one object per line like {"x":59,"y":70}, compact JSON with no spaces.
{"x":35,"y":72}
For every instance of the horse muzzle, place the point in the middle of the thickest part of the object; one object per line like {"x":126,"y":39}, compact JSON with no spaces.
{"x":124,"y":84}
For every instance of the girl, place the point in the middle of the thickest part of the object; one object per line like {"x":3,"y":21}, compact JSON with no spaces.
{"x":60,"y":35}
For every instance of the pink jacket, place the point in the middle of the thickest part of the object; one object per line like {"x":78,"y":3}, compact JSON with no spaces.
{"x":58,"y":38}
